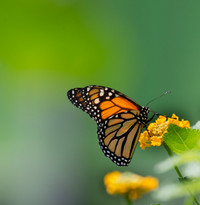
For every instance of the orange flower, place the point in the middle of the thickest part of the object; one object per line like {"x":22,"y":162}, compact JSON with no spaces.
{"x":129,"y":184}
{"x":156,"y":130}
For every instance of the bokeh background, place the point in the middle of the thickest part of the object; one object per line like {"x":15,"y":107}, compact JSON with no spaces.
{"x":49,"y":153}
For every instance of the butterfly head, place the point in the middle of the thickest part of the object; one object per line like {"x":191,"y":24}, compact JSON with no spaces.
{"x":144,"y":113}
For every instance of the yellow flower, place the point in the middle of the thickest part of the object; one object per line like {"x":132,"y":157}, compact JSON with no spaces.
{"x":156,"y":130}
{"x":129,"y":184}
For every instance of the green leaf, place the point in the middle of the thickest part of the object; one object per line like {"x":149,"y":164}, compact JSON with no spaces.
{"x":180,"y":139}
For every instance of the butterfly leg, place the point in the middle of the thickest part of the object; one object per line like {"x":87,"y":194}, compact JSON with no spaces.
{"x":147,"y":130}
{"x":152,"y":117}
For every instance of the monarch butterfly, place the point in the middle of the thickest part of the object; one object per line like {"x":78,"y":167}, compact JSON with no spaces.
{"x":119,"y":119}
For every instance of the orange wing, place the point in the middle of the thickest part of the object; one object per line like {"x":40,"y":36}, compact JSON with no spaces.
{"x":101,"y":102}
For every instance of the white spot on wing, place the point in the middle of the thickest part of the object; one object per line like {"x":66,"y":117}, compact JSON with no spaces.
{"x":96,"y":101}
{"x":101,"y":93}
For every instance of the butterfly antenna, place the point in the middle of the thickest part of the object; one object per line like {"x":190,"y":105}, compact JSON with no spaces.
{"x":165,"y":93}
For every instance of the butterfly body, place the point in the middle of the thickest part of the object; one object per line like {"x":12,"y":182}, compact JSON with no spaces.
{"x":119,"y":119}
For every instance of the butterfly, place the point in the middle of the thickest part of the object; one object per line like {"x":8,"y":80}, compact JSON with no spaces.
{"x":119,"y":119}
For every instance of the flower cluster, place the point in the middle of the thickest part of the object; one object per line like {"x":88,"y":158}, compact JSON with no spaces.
{"x":156,"y":130}
{"x":129,"y":184}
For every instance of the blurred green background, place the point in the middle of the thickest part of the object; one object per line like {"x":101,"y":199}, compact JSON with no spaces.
{"x":49,"y":152}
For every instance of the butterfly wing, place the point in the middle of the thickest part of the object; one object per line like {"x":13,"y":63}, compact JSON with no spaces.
{"x":117,"y":119}
{"x":101,"y":102}
{"x":118,"y":136}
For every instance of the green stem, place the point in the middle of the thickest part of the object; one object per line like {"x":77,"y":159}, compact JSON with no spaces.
{"x":128,"y":200}
{"x":181,"y":178}
{"x":169,"y":151}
